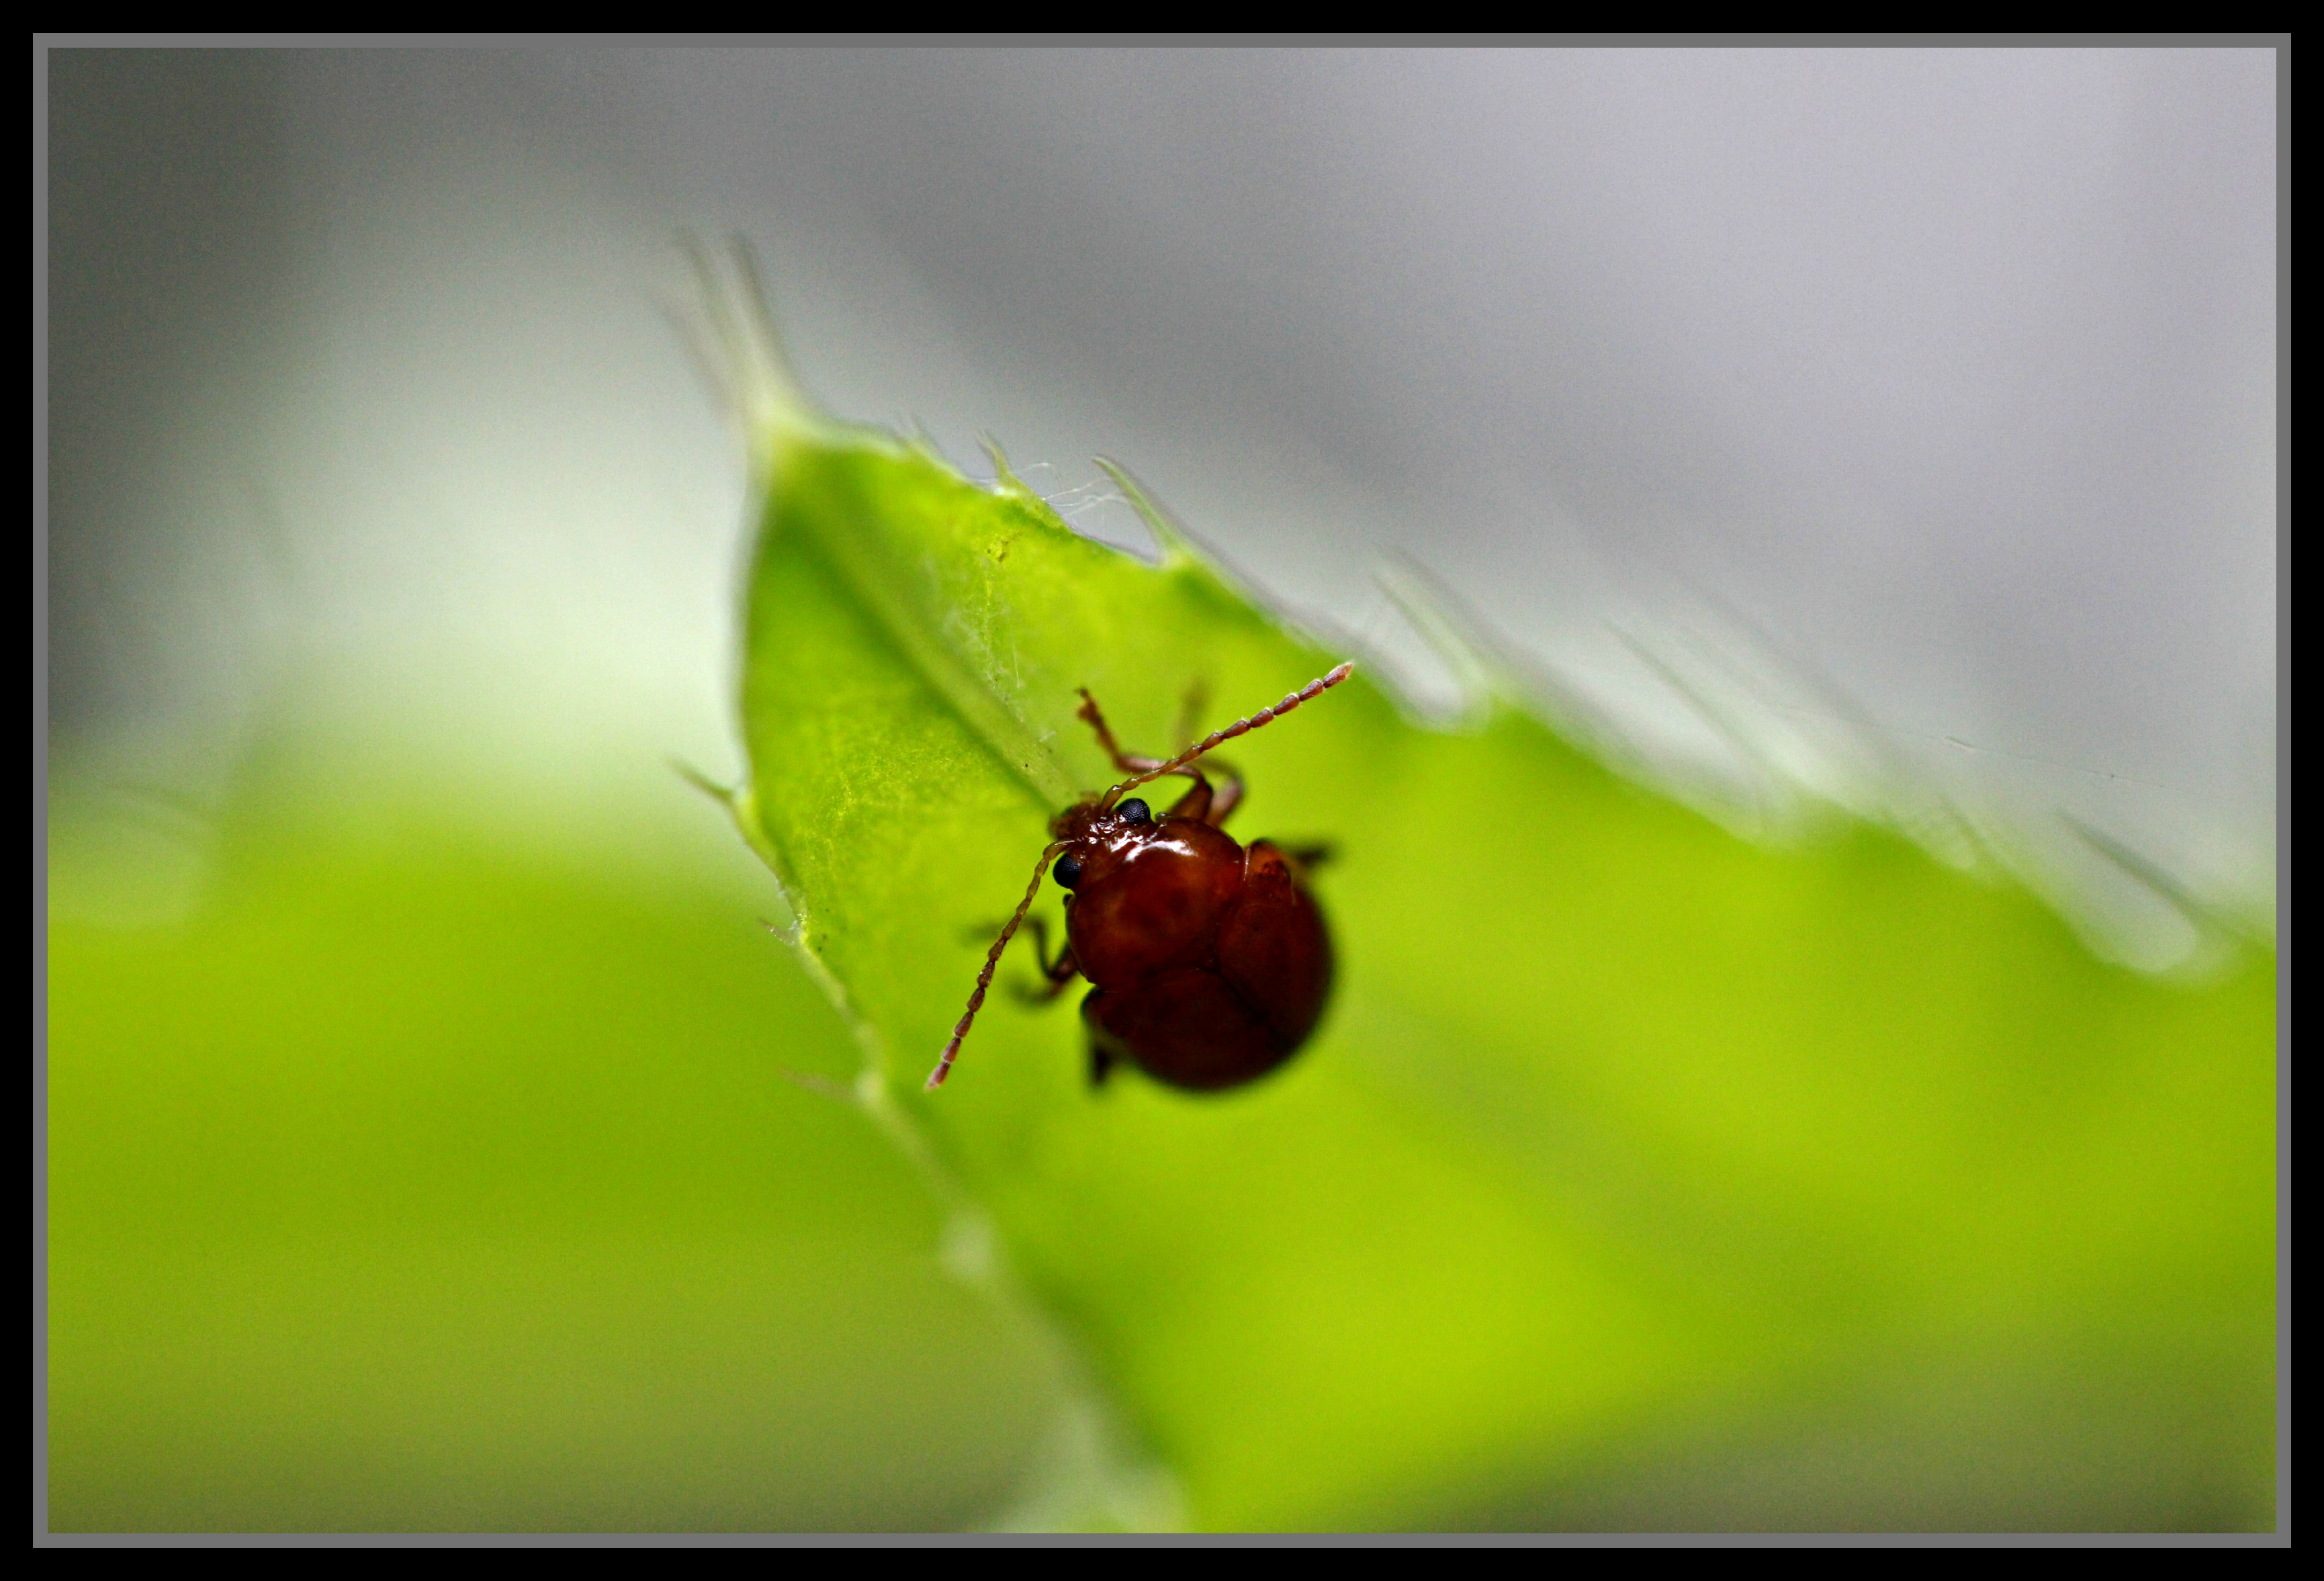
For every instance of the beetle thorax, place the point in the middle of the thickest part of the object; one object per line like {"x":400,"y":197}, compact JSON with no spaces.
{"x":1151,"y":898}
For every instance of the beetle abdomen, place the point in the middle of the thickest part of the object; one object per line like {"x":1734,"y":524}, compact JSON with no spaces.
{"x":1187,"y":1027}
{"x":1274,"y":950}
{"x":1240,"y":1014}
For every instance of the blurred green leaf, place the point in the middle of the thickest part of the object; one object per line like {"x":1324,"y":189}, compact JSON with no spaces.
{"x":437,"y":1169}
{"x":1639,"y":1176}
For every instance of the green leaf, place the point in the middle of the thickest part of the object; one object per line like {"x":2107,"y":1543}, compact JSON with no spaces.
{"x":1639,"y":1173}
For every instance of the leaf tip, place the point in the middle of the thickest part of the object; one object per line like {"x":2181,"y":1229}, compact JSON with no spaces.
{"x":1489,"y":673}
{"x":728,"y":324}
{"x":2205,"y":916}
{"x":1005,"y":480}
{"x":1174,"y":545}
{"x":721,"y":794}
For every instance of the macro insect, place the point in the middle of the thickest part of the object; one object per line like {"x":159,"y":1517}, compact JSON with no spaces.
{"x":1209,"y":962}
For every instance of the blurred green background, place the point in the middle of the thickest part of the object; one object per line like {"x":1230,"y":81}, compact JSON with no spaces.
{"x":427,"y":1177}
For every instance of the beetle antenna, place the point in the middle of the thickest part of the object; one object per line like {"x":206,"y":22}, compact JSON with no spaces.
{"x":1241,"y":727}
{"x":993,"y":964}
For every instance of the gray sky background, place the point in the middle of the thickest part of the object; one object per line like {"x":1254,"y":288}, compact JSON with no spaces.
{"x":1916,"y":410}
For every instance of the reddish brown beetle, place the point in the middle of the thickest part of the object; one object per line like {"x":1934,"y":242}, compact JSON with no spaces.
{"x":1210,"y":961}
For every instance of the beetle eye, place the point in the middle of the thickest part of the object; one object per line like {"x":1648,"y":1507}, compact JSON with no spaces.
{"x":1069,"y":871}
{"x":1135,"y":810}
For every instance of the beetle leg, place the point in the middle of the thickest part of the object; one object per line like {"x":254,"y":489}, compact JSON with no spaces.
{"x":1128,"y":762}
{"x":1204,"y":804}
{"x":1196,"y":803}
{"x":1101,"y":1064}
{"x":1207,"y":802}
{"x":1055,"y":973}
{"x":1227,"y":798}
{"x":1190,"y":708}
{"x":1211,"y":808}
{"x":1310,"y":856}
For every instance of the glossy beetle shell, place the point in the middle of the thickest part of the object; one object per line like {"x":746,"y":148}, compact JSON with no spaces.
{"x":1211,"y":960}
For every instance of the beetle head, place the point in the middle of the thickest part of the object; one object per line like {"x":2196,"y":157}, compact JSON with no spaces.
{"x":1097,"y":837}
